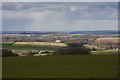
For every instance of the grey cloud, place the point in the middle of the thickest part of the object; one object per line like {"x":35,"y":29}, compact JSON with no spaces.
{"x":74,"y":10}
{"x":67,"y":10}
{"x":9,"y":6}
{"x":54,"y":5}
{"x":59,"y":15}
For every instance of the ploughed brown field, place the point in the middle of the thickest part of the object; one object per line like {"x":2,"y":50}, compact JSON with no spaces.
{"x":113,"y":40}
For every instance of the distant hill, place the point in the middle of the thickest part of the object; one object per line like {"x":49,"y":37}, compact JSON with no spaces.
{"x":96,"y":32}
{"x":56,"y":32}
{"x":30,"y":32}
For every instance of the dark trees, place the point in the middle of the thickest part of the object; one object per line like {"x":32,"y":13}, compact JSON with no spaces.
{"x":72,"y":51}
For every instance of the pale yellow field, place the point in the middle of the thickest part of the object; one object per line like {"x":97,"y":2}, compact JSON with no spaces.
{"x":41,"y":43}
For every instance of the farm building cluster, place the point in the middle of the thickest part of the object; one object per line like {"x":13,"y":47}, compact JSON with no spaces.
{"x":107,"y":43}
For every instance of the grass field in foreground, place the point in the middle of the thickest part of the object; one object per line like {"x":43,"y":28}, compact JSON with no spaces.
{"x":69,"y":66}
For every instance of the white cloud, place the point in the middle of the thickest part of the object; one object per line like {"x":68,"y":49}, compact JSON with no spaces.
{"x":19,"y":14}
{"x":56,"y":24}
{"x":79,"y":8}
{"x":51,"y":21}
{"x":96,"y":24}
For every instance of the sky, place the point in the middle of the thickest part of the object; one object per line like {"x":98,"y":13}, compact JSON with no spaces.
{"x":60,"y":0}
{"x":59,"y":16}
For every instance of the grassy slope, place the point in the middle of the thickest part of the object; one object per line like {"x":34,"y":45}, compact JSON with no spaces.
{"x":61,"y":66}
{"x":0,"y":67}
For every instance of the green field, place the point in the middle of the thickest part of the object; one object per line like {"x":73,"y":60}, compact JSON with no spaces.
{"x":102,"y":52}
{"x":7,"y":45}
{"x":69,"y":66}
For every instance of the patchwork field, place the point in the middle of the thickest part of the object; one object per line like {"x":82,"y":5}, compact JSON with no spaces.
{"x":25,"y":46}
{"x":69,"y":66}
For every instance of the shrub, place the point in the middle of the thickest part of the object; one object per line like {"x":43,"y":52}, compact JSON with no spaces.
{"x":7,"y":53}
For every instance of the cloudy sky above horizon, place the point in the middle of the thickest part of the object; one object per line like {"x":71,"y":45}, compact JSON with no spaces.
{"x":59,"y":16}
